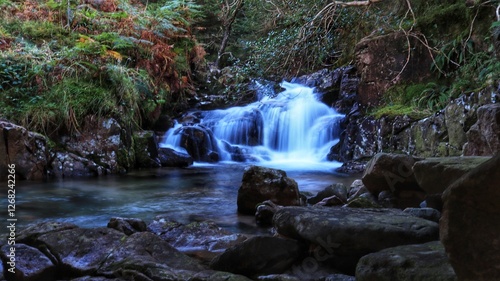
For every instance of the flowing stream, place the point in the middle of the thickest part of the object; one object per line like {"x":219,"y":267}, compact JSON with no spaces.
{"x":292,"y":131}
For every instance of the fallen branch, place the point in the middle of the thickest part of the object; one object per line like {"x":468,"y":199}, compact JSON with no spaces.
{"x":356,"y":3}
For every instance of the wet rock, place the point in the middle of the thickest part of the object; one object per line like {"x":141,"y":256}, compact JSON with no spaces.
{"x":347,"y":234}
{"x":30,"y":263}
{"x":265,"y":212}
{"x":425,"y":213}
{"x":199,"y":142}
{"x":390,"y":172}
{"x":469,"y":223}
{"x":260,"y":184}
{"x":331,"y":201}
{"x":26,"y":150}
{"x":203,"y":240}
{"x":363,"y":202}
{"x":127,"y":225}
{"x":78,"y":251}
{"x":30,"y":234}
{"x":434,"y":175}
{"x":339,"y":190}
{"x":171,"y":158}
{"x":146,"y":150}
{"x":356,"y":189}
{"x":96,"y":278}
{"x":69,"y":165}
{"x":483,"y":138}
{"x":410,"y":262}
{"x":259,"y":256}
{"x":148,"y":254}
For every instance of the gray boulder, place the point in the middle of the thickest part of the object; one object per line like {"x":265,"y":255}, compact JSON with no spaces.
{"x":347,"y":234}
{"x":425,"y":262}
{"x":30,"y":263}
{"x":434,"y":175}
{"x":260,"y":184}
{"x":469,"y":224}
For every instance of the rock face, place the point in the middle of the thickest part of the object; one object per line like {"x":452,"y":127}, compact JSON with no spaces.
{"x":259,"y":256}
{"x":26,"y":150}
{"x":382,"y":61}
{"x":347,"y":234}
{"x":410,"y":262}
{"x":469,"y":224}
{"x":434,"y":175}
{"x":483,"y":138}
{"x":260,"y":184}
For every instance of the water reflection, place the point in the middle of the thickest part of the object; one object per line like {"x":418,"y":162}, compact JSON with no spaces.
{"x":201,"y":192}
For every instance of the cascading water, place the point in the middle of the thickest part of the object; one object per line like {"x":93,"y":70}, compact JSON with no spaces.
{"x":293,"y":128}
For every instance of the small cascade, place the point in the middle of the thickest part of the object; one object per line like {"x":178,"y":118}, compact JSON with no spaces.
{"x":292,"y":127}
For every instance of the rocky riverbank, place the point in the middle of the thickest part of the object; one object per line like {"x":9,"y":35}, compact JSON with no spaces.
{"x":371,"y":230}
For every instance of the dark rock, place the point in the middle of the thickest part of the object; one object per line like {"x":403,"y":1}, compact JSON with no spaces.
{"x":211,"y":275}
{"x":69,"y":165}
{"x":105,"y":142}
{"x":96,"y":278}
{"x":199,"y":142}
{"x":387,"y":199}
{"x":410,"y":262}
{"x":79,"y":251}
{"x":347,"y":234}
{"x":425,"y":213}
{"x":26,"y":150}
{"x":278,"y":277}
{"x":259,"y":256}
{"x":434,"y":175}
{"x":351,"y":167}
{"x":146,"y":150}
{"x":390,"y":172}
{"x":127,"y":225}
{"x":356,"y":189}
{"x":469,"y":223}
{"x":30,"y":263}
{"x":265,"y":212}
{"x":382,"y":60}
{"x":363,"y":202}
{"x":260,"y":184}
{"x":483,"y":138}
{"x":30,"y":234}
{"x":337,"y":189}
{"x":340,"y":277}
{"x":148,"y":254}
{"x":203,"y":240}
{"x":171,"y":158}
{"x":331,"y":201}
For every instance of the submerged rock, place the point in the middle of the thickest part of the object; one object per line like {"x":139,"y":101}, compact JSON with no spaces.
{"x":410,"y":262}
{"x":260,"y":184}
{"x":469,"y":224}
{"x":347,"y":234}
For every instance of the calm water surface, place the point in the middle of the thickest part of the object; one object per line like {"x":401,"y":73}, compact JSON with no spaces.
{"x":200,"y":192}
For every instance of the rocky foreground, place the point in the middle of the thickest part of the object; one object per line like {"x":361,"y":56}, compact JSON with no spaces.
{"x":359,"y":232}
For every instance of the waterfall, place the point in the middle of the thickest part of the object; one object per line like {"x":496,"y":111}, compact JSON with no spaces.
{"x":292,"y":127}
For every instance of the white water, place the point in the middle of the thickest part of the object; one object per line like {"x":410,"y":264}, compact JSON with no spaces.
{"x":292,"y":130}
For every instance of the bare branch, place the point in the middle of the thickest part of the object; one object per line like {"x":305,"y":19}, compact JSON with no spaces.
{"x":356,"y":3}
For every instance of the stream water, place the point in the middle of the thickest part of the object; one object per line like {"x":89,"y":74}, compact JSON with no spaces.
{"x":200,"y":192}
{"x":291,"y":130}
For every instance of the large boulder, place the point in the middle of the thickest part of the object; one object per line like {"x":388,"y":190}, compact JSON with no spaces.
{"x":483,"y":138}
{"x":390,"y":172}
{"x":469,"y":224}
{"x":29,"y":263}
{"x":27,"y":151}
{"x":347,"y":234}
{"x":434,"y":175}
{"x":409,"y":262}
{"x":259,"y":256}
{"x":260,"y":184}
